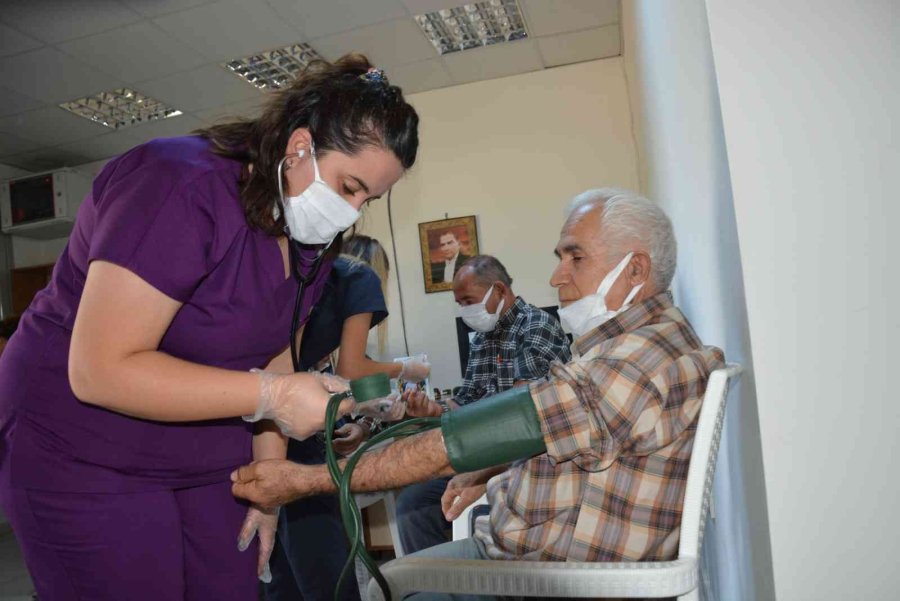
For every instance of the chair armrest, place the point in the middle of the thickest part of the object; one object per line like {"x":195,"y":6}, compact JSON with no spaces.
{"x":462,"y":524}
{"x":538,"y":579}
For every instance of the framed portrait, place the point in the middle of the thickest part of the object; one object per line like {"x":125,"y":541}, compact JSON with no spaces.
{"x":446,"y":244}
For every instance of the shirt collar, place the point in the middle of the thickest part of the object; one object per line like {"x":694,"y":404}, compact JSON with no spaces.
{"x":627,"y":321}
{"x":510,"y":316}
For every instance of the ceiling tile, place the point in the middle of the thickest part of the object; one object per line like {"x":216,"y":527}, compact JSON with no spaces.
{"x":13,"y":42}
{"x":421,"y":76}
{"x":320,"y":19}
{"x":165,"y":128}
{"x":568,"y":48}
{"x":245,"y":108}
{"x":559,"y":16}
{"x":50,"y":126}
{"x":14,"y":102}
{"x":45,"y":160}
{"x":203,"y":88}
{"x":51,"y":76}
{"x":10,"y":144}
{"x":102,"y":147}
{"x":230,"y":29}
{"x":142,"y":51}
{"x":154,"y":8}
{"x":420,"y":7}
{"x":499,"y":60}
{"x":386,"y":44}
{"x":54,"y":21}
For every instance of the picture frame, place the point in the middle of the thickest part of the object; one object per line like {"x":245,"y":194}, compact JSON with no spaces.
{"x":437,"y":240}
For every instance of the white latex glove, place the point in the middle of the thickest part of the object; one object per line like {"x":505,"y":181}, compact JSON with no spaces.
{"x":332,"y":383}
{"x":296,"y":402}
{"x":415,"y":369}
{"x":388,"y":409}
{"x":263,"y":522}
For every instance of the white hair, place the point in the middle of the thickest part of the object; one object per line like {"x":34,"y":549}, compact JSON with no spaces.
{"x":630,"y":222}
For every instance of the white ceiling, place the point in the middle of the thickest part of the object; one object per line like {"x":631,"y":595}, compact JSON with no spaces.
{"x":57,"y":50}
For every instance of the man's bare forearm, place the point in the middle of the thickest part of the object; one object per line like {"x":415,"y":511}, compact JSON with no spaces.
{"x":409,"y":460}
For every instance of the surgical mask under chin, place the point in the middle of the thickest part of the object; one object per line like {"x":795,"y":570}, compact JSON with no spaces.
{"x":319,"y":213}
{"x":589,"y":312}
{"x":477,"y":317}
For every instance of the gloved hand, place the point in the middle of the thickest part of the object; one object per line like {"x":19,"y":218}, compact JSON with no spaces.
{"x":296,"y":402}
{"x":263,"y":522}
{"x":388,"y":409}
{"x":415,"y":369}
{"x":332,"y":383}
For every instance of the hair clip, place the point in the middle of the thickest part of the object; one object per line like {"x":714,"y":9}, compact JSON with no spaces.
{"x":374,"y":75}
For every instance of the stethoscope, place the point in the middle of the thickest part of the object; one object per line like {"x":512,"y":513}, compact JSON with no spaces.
{"x":298,"y":265}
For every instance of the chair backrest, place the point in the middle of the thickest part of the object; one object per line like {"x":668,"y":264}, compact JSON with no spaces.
{"x":703,"y":460}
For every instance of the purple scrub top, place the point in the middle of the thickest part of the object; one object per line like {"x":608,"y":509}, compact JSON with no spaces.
{"x":170,"y":212}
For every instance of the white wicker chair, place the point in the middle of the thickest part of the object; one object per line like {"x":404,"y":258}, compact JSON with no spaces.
{"x":678,"y":578}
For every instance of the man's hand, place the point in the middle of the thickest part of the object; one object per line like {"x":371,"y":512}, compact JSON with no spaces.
{"x":419,"y":405}
{"x":272,"y":483}
{"x":348,"y":437}
{"x":462,"y":491}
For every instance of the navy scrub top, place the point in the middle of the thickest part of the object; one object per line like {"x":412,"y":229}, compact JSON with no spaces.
{"x":352,"y":288}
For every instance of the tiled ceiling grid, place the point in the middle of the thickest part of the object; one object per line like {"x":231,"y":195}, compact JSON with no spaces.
{"x":52,"y":51}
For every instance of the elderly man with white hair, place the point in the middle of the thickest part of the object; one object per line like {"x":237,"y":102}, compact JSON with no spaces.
{"x":603,"y":476}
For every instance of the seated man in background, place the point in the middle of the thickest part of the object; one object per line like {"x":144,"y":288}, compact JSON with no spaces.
{"x":515,"y":343}
{"x":608,"y":463}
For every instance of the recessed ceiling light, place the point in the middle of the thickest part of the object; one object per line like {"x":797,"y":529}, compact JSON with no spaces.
{"x":473,"y":25}
{"x":274,"y":69}
{"x":120,"y":108}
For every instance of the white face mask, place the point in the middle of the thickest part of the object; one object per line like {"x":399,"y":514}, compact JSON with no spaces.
{"x":477,"y":317}
{"x":319,"y":213}
{"x":589,"y":312}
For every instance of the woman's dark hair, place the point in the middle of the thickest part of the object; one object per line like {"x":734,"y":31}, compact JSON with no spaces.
{"x":344,"y":110}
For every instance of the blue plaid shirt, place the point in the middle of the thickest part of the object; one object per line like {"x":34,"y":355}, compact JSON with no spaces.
{"x":521,"y":347}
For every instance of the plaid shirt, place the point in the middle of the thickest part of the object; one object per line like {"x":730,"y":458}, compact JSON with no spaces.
{"x":619,"y":423}
{"x":521,"y":347}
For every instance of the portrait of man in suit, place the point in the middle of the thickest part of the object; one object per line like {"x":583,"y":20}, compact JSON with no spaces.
{"x":446,"y":245}
{"x":453,"y":259}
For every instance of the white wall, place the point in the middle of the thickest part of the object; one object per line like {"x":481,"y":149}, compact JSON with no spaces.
{"x":512,"y":151}
{"x":810,"y":95}
{"x":684,"y":167}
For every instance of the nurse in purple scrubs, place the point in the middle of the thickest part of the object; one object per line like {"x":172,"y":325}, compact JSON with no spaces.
{"x":122,"y":393}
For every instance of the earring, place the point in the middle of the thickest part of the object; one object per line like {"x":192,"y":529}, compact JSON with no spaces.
{"x":301,"y":153}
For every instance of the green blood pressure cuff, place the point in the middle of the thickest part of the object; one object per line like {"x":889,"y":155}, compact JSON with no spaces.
{"x":493,"y":431}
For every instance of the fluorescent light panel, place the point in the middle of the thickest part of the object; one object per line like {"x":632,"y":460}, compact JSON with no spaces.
{"x":473,"y":25}
{"x":273,"y":69}
{"x":120,"y":108}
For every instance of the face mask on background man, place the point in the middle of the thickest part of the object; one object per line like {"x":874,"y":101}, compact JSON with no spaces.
{"x":477,"y":317}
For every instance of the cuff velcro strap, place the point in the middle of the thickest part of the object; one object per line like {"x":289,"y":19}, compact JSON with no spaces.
{"x":493,"y":431}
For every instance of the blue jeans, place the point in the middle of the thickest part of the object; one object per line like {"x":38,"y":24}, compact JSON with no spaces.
{"x":419,"y":517}
{"x":311,"y":546}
